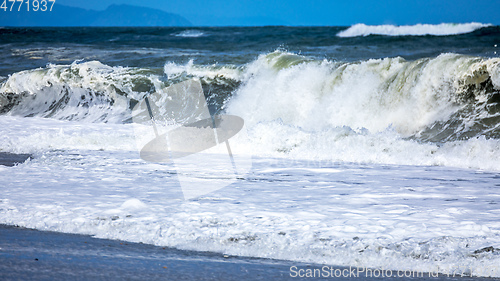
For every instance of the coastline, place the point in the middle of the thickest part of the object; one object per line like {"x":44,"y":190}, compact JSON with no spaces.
{"x":46,"y":255}
{"x":27,"y":254}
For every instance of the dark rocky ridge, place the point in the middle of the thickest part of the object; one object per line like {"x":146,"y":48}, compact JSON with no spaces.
{"x":114,"y":15}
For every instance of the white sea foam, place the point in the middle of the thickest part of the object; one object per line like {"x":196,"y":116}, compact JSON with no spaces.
{"x":424,"y":218}
{"x":191,"y":33}
{"x":373,"y":94}
{"x":295,"y":107}
{"x":206,"y":71}
{"x":411,"y":30}
{"x":82,"y":90}
{"x":361,"y":112}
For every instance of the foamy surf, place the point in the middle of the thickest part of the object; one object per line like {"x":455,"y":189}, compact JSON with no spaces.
{"x":409,"y":96}
{"x":190,"y":33}
{"x":421,"y":218}
{"x":442,"y":29}
{"x":437,"y":111}
{"x":80,"y":91}
{"x":365,"y":153}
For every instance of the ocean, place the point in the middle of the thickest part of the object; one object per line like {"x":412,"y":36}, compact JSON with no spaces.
{"x":366,"y":146}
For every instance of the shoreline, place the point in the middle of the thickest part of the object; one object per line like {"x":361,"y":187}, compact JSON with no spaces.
{"x":33,"y":254}
{"x":43,"y":255}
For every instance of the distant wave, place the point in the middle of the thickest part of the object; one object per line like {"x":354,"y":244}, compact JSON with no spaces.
{"x":442,"y":29}
{"x":446,"y":98}
{"x":190,"y":33}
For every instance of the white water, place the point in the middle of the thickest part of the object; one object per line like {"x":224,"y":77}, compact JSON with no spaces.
{"x":295,"y":107}
{"x":361,"y":112}
{"x":88,"y":178}
{"x":87,"y":88}
{"x":173,"y":70}
{"x":442,"y":29}
{"x":333,"y":181}
{"x":191,"y":33}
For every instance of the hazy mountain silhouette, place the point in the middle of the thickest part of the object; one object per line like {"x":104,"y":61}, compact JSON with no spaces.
{"x":114,"y":15}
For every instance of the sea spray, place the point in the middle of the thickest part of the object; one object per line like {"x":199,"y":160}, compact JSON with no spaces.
{"x":424,"y":112}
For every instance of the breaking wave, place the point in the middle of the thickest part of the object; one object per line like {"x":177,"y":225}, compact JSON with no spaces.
{"x":442,"y":29}
{"x":81,"y":91}
{"x":190,"y":33}
{"x":434,"y":111}
{"x":450,"y":97}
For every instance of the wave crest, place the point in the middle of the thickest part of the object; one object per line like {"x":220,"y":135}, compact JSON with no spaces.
{"x":434,"y":111}
{"x":409,"y":96}
{"x":83,"y":90}
{"x":442,"y":29}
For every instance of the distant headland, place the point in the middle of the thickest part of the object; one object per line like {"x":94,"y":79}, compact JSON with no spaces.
{"x":114,"y":15}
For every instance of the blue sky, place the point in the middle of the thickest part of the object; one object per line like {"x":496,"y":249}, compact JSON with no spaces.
{"x":316,"y":12}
